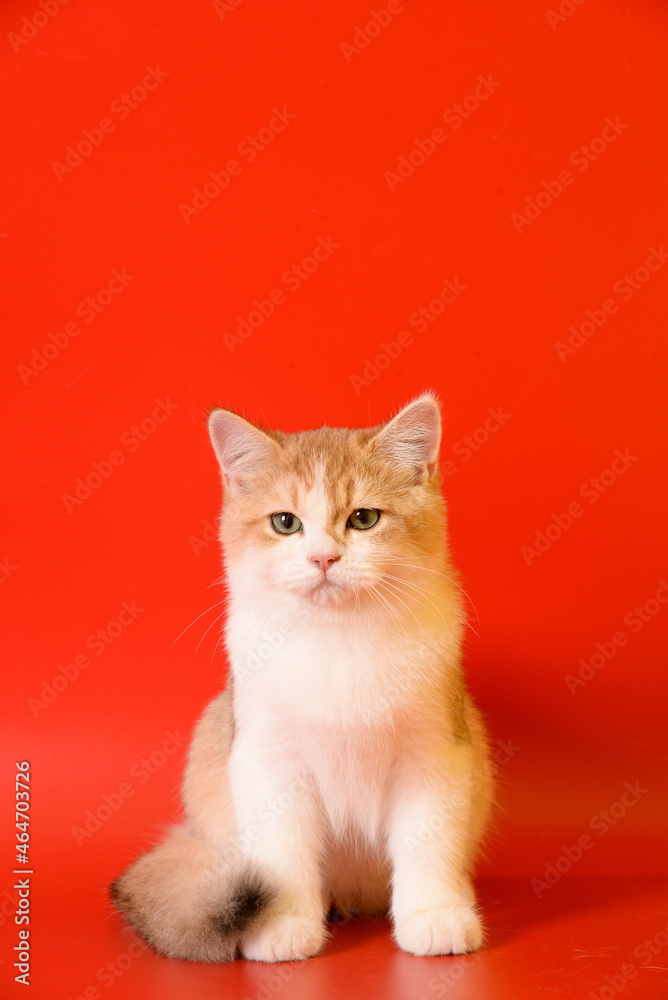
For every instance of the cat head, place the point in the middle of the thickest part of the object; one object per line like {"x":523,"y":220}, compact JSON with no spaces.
{"x":331,"y":515}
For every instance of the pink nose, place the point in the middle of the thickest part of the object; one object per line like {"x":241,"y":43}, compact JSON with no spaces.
{"x":324,"y":562}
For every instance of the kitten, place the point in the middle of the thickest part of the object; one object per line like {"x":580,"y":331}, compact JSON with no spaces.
{"x":345,"y":765}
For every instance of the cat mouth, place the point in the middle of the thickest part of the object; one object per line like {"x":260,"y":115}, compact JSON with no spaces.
{"x":325,"y":588}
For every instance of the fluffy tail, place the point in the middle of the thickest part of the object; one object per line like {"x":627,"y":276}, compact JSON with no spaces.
{"x":187,"y":902}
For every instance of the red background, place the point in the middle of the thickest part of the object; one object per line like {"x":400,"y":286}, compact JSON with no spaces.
{"x":144,"y":533}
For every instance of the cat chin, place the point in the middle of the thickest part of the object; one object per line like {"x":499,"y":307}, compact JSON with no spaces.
{"x":326,"y":592}
{"x":340,"y":596}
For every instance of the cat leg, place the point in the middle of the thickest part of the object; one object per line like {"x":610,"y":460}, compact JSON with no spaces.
{"x":431,"y":845}
{"x":281,"y":823}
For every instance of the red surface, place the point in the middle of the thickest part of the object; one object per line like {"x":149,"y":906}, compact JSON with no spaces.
{"x":330,"y":178}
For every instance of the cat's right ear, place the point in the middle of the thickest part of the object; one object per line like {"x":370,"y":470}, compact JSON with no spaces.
{"x":240,"y":447}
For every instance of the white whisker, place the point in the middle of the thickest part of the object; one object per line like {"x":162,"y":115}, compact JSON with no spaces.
{"x":420,"y":590}
{"x":217,"y":605}
{"x":427,"y":569}
{"x":208,"y":630}
{"x":443,"y":620}
{"x":409,"y":609}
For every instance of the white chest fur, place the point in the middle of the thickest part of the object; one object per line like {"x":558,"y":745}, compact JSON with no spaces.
{"x":335,"y":693}
{"x":329,"y":669}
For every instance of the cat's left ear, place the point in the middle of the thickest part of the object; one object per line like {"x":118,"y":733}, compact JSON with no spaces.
{"x":412,"y":438}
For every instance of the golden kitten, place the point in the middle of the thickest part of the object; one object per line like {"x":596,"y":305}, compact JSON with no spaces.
{"x":345,"y":765}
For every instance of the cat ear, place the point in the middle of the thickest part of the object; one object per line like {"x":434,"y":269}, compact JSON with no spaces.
{"x":239,"y":446}
{"x":412,"y":438}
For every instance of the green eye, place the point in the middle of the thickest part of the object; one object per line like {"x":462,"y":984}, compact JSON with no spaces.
{"x":364,"y":518}
{"x":285,"y":523}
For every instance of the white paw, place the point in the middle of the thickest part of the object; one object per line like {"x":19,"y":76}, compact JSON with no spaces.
{"x":451,"y":930}
{"x":284,"y":938}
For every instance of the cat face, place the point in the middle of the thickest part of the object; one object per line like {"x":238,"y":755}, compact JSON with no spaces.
{"x":331,"y":515}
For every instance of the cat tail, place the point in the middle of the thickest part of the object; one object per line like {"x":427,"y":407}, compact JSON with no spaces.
{"x":187,"y":902}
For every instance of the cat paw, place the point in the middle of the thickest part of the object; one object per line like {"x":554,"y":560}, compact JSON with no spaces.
{"x":451,"y":930}
{"x":284,"y":938}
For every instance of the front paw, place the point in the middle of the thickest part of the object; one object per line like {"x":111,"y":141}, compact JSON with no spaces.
{"x":284,"y":938}
{"x":451,"y":930}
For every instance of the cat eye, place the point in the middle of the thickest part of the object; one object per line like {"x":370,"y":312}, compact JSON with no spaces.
{"x":285,"y":523}
{"x":364,"y":518}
